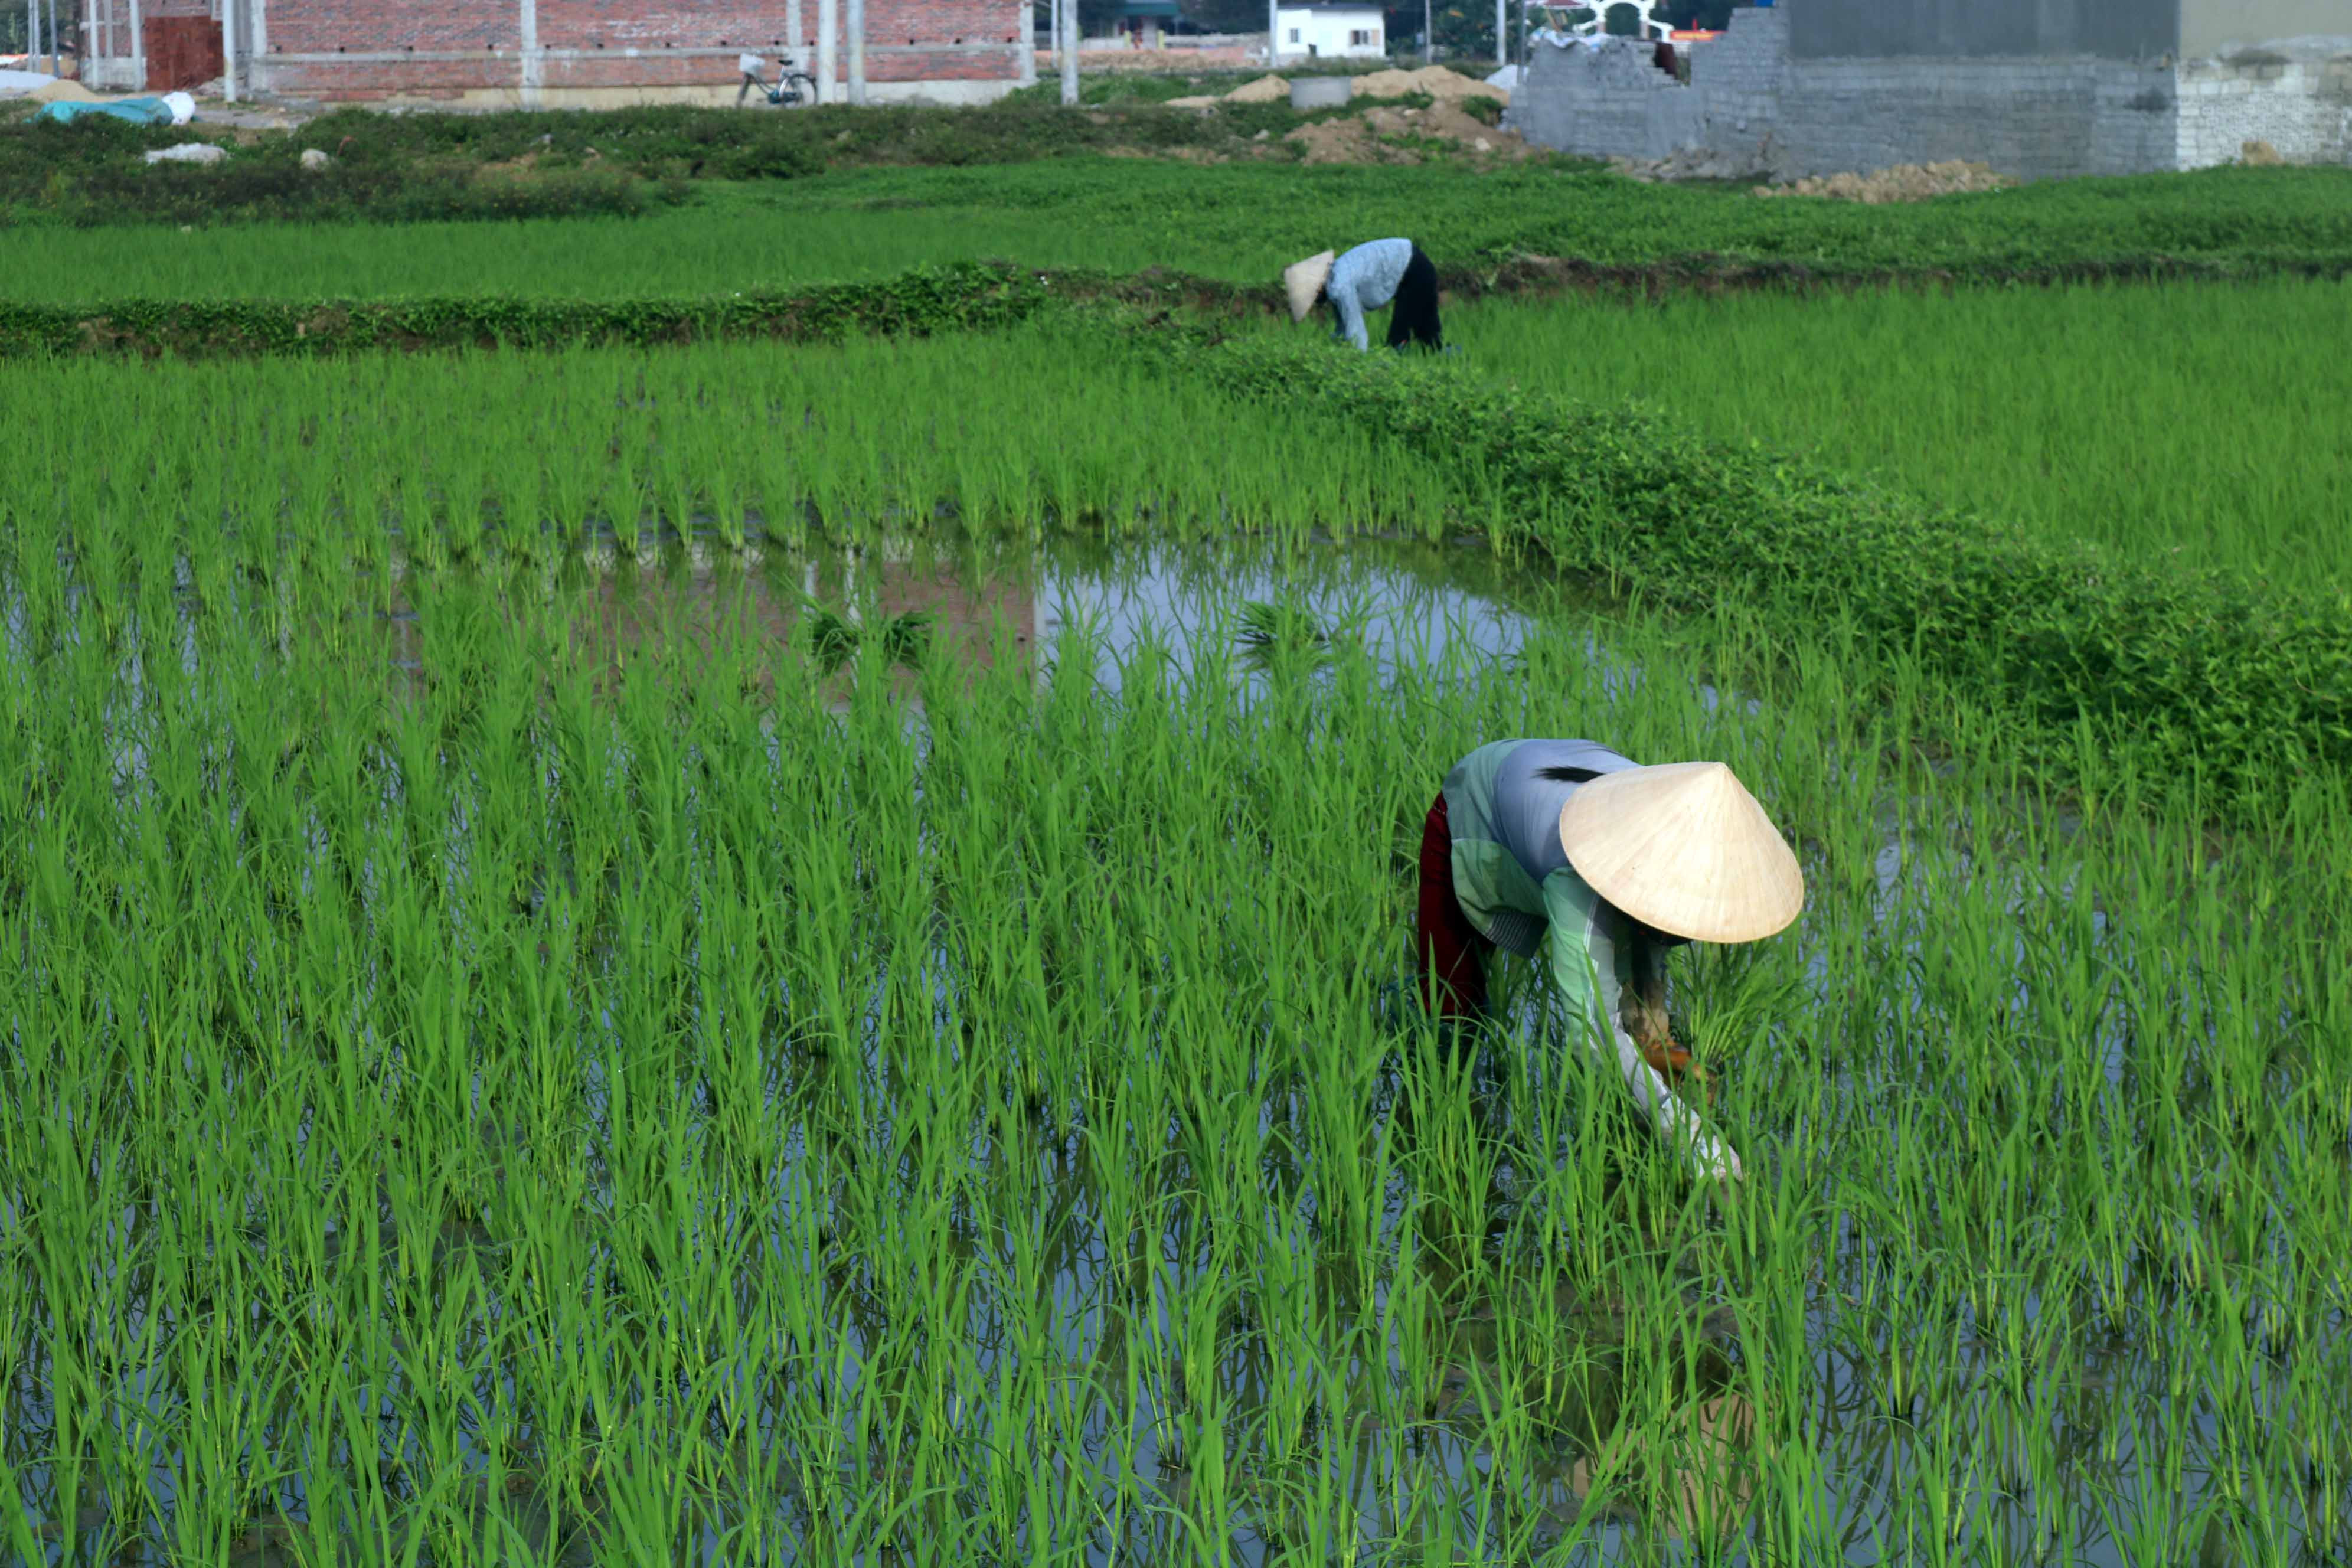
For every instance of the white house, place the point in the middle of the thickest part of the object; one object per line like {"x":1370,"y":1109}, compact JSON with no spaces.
{"x":1315,"y":32}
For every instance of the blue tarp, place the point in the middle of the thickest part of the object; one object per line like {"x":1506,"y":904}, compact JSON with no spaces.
{"x":138,"y":110}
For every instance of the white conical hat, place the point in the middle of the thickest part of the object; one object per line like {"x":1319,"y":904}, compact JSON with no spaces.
{"x":1685,"y":848}
{"x":1304,"y":281}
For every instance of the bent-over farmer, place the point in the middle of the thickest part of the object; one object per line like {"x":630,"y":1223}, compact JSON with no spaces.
{"x":1364,"y":279}
{"x":1567,"y":849}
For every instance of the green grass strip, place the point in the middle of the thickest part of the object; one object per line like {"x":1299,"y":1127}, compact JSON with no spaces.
{"x":958,"y":297}
{"x":2232,"y":690}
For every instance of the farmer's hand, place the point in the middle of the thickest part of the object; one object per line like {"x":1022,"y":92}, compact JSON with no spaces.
{"x":1671,"y":1061}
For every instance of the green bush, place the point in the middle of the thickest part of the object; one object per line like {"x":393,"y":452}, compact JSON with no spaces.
{"x":90,"y":172}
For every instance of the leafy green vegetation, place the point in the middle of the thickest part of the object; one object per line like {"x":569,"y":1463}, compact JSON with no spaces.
{"x":1238,"y":222}
{"x":2204,"y":683}
{"x":90,"y":175}
{"x":2189,"y":426}
{"x":524,"y":163}
{"x":505,"y":1056}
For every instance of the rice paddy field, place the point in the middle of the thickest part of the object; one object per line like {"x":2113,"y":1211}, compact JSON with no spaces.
{"x":513,"y":1061}
{"x":2199,"y":424}
{"x":741,"y":955}
{"x":1239,"y":222}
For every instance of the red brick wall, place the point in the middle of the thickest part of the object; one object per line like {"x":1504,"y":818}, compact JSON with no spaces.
{"x":760,"y":24}
{"x":373,"y":26}
{"x":588,"y":40}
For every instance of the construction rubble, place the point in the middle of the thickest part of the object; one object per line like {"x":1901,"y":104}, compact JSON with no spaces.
{"x":1902,"y":183}
{"x":1434,"y":81}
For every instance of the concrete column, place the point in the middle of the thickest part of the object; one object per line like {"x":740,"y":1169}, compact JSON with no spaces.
{"x":828,"y":48}
{"x":1026,"y":36}
{"x":256,"y":67}
{"x":1272,"y":34}
{"x":228,"y":51}
{"x":1070,"y":51}
{"x":856,"y":20}
{"x":796,"y":51}
{"x":532,"y":61}
{"x":138,"y":49}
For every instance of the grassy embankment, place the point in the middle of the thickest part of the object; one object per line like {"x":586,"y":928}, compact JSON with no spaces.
{"x":645,"y":1092}
{"x":1232,"y":224}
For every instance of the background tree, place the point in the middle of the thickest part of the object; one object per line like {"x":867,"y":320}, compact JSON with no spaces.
{"x":1226,"y":16}
{"x":1096,"y":18}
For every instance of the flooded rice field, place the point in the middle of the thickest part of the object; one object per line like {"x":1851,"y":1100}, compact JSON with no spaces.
{"x":873,"y":1055}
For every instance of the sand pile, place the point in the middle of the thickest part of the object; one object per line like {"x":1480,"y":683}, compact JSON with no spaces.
{"x":1436,"y":81}
{"x":1443,"y":85}
{"x":1264,"y":89}
{"x":1902,"y":183}
{"x":65,"y":90}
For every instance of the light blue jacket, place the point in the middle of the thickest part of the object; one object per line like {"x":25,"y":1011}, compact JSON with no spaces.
{"x":1364,"y":278}
{"x":1515,"y":884}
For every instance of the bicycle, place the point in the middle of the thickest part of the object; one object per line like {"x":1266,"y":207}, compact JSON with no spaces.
{"x":792,"y":90}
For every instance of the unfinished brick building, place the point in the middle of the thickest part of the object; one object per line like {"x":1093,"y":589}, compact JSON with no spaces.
{"x":578,"y":53}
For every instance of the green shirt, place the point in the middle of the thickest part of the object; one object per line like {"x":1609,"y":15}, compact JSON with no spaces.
{"x":1518,"y":891}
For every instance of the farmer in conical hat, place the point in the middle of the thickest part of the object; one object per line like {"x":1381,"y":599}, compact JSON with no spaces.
{"x":1568,"y":850}
{"x":1366,"y":278}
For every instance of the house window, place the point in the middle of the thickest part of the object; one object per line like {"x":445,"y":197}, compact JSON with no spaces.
{"x":1360,"y":37}
{"x":1293,"y":35}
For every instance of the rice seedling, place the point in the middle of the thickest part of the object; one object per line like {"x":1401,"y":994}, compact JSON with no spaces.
{"x":2066,"y":411}
{"x":1242,"y":221}
{"x":617,"y":1091}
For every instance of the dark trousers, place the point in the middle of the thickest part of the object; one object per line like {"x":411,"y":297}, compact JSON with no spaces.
{"x":1414,"y":318}
{"x":1451,"y":954}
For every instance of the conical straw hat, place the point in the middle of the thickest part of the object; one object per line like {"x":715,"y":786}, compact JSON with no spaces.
{"x":1684,"y":849}
{"x":1305,"y":280}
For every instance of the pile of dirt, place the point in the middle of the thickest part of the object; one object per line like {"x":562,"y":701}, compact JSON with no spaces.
{"x":1365,"y":138}
{"x":2259,"y":154}
{"x":1435,"y":81}
{"x":1902,"y":183}
{"x":64,"y":89}
{"x":1264,"y":89}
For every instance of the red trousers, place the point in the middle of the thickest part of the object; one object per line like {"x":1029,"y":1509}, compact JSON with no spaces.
{"x":1451,"y":954}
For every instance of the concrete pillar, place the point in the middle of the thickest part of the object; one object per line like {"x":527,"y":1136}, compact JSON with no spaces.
{"x":228,"y":51}
{"x":531,"y":74}
{"x":1070,"y":52}
{"x":796,"y":41}
{"x":857,"y":51}
{"x":828,"y":48}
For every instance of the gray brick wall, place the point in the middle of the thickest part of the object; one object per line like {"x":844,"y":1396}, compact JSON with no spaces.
{"x":2038,"y":116}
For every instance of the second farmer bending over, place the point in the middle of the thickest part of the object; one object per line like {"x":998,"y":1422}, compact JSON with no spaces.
{"x":1364,"y":279}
